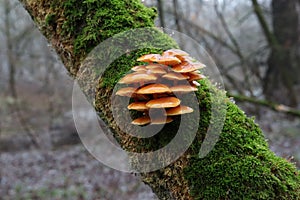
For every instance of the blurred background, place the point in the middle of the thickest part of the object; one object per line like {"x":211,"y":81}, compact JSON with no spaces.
{"x":254,"y":43}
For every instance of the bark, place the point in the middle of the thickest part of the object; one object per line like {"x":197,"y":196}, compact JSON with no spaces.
{"x":240,"y":165}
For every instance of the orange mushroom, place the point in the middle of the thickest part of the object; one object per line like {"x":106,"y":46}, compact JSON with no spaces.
{"x":175,"y":76}
{"x":164,"y":102}
{"x":174,"y":52}
{"x":149,"y":57}
{"x":155,"y":65}
{"x":153,"y":89}
{"x":172,"y":67}
{"x":139,"y":106}
{"x":141,"y":121}
{"x":185,"y":67}
{"x":157,"y":70}
{"x":168,"y":60}
{"x":139,"y":68}
{"x":137,"y":78}
{"x":127,"y":91}
{"x":183,"y":88}
{"x":195,"y":76}
{"x":179,"y":110}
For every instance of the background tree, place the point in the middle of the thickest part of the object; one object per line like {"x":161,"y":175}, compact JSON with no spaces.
{"x":241,"y":163}
{"x":282,"y":75}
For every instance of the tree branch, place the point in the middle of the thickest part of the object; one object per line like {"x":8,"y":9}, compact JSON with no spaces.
{"x":273,"y":106}
{"x":272,"y":41}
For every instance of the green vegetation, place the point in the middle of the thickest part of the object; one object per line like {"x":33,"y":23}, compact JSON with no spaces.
{"x":241,"y":166}
{"x":91,"y":21}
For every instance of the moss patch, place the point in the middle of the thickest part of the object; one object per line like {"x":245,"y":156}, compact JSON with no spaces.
{"x":92,"y":21}
{"x":241,"y":166}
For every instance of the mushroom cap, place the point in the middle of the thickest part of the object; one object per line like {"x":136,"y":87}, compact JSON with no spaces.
{"x":161,"y":120}
{"x":140,"y":106}
{"x":185,"y":67}
{"x":195,"y":76}
{"x":175,"y":52}
{"x":141,"y":121}
{"x":183,"y":88}
{"x":149,"y":57}
{"x":179,"y":110}
{"x":189,"y":59}
{"x":153,"y":88}
{"x":164,"y":102}
{"x":168,"y":60}
{"x":139,"y":68}
{"x":137,"y":77}
{"x":175,"y":76}
{"x":157,"y":70}
{"x":155,"y":65}
{"x":127,"y":91}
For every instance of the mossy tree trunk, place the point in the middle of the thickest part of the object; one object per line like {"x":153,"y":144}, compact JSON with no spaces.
{"x":241,"y":166}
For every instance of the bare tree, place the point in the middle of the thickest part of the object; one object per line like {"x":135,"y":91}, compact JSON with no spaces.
{"x":283,"y":64}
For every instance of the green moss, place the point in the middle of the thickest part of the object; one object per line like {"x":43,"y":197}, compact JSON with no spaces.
{"x":91,"y":22}
{"x":50,"y":19}
{"x":240,"y":166}
{"x":147,"y":41}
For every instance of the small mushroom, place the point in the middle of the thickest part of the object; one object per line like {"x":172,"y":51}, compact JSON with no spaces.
{"x":179,"y":110}
{"x":127,"y":91}
{"x":140,"y":68}
{"x":149,"y":57}
{"x":195,"y":76}
{"x":174,"y":52}
{"x":153,"y":89}
{"x":137,"y":78}
{"x":164,"y":102}
{"x":185,"y":67}
{"x":157,"y":70}
{"x":141,"y":121}
{"x":155,"y":65}
{"x":139,"y":106}
{"x":168,"y":60}
{"x":175,"y":76}
{"x":183,"y":88}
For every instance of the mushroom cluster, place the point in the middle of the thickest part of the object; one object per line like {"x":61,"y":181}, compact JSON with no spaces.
{"x":156,"y":86}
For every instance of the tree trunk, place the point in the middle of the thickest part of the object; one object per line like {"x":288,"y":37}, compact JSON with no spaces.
{"x":284,"y":61}
{"x":239,"y":166}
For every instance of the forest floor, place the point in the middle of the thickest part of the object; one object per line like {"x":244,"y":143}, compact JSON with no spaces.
{"x":70,"y":172}
{"x":63,"y":174}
